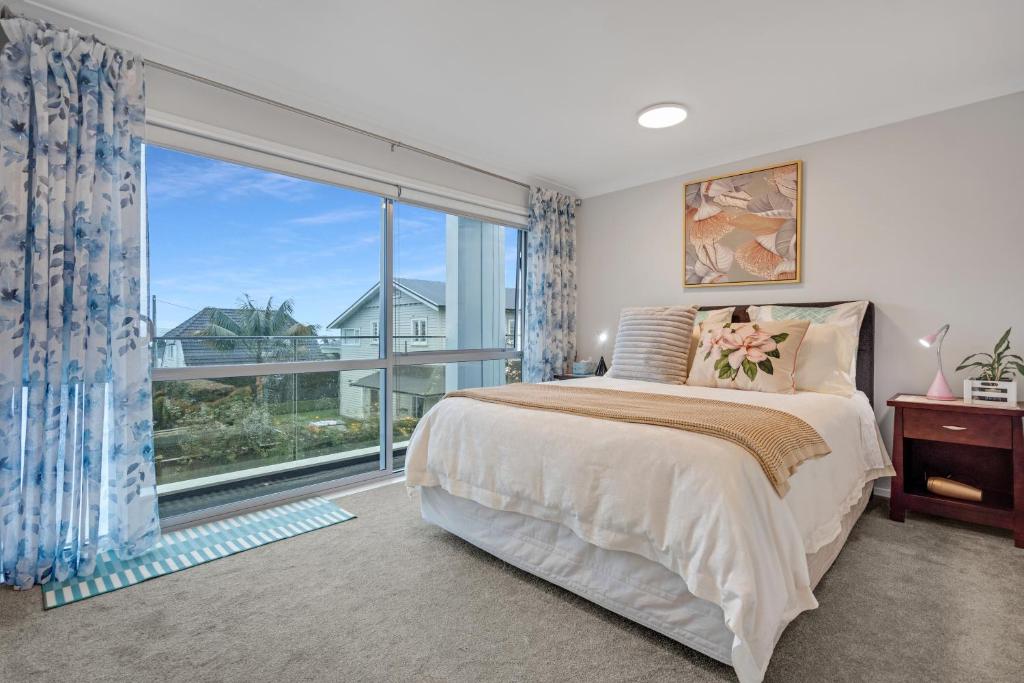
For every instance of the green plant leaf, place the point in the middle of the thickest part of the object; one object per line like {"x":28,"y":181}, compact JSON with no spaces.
{"x":964,"y":366}
{"x":749,"y":369}
{"x":1020,"y":368}
{"x":975,"y":355}
{"x":1004,"y":341}
{"x":766,"y":367}
{"x":781,"y":337}
{"x":726,"y":372}
{"x":774,"y":353}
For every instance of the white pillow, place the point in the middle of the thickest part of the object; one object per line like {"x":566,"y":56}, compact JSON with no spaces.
{"x":823,"y":364}
{"x":848,"y":317}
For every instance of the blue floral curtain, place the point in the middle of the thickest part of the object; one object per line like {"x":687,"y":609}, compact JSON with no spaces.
{"x":550,"y":340}
{"x":76,"y":445}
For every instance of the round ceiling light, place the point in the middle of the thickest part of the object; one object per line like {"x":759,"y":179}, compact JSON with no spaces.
{"x":661,"y":115}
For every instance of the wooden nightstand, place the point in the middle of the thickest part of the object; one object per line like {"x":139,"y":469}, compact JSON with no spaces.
{"x":978,"y":445}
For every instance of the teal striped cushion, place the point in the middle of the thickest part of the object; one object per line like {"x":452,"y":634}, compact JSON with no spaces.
{"x":815,"y":315}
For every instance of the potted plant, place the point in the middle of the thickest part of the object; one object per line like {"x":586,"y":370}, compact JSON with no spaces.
{"x":993,"y":382}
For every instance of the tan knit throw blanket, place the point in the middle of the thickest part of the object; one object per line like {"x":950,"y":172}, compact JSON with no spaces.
{"x":777,"y":440}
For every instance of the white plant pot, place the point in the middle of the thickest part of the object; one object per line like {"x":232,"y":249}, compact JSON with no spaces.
{"x":980,"y":391}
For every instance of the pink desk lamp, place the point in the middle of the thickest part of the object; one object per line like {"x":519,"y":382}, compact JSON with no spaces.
{"x":939,"y":390}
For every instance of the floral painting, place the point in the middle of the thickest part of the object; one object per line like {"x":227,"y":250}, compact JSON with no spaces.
{"x":744,"y":228}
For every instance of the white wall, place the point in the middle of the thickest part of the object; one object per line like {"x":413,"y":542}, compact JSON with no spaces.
{"x":924,"y":217}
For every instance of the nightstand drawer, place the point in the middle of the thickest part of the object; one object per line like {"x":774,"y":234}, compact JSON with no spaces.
{"x":995,"y":431}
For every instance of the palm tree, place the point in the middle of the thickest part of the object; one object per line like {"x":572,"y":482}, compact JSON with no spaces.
{"x":256,"y":328}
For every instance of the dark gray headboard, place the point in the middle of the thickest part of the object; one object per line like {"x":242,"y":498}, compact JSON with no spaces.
{"x":865,"y":350}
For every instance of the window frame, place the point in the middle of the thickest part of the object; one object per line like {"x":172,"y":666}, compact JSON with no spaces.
{"x":207,"y":141}
{"x":350,"y":339}
{"x":415,"y":338}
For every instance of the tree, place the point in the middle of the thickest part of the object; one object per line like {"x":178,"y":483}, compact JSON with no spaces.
{"x":257,"y":328}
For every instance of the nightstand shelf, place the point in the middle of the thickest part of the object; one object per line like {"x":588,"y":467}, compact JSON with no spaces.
{"x":978,"y":445}
{"x":995,"y":510}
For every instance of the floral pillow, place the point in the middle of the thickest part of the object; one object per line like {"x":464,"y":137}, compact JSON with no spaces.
{"x":718,"y":316}
{"x":757,"y":356}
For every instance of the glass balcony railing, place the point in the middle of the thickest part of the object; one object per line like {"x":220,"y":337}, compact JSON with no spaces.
{"x":194,"y":351}
{"x":208,"y":431}
{"x":410,"y":343}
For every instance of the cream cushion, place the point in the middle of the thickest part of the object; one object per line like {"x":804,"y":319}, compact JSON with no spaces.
{"x":653,"y":344}
{"x":823,"y":364}
{"x":749,"y":356}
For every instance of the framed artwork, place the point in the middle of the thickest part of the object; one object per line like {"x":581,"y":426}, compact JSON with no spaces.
{"x":743,"y":228}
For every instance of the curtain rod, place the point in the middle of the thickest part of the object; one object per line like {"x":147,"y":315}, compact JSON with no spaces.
{"x":395,"y":144}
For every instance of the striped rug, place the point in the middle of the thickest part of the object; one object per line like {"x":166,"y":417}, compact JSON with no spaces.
{"x":197,"y":545}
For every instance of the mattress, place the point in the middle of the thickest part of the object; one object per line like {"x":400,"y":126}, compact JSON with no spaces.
{"x":627,"y":584}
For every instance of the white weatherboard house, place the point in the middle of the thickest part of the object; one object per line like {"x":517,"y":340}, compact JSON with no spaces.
{"x":422,"y":323}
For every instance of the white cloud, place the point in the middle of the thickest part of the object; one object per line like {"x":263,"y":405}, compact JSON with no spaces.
{"x":337,"y":217}
{"x":220,"y":180}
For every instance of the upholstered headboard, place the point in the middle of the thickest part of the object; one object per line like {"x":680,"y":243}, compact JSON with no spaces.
{"x":865,"y":349}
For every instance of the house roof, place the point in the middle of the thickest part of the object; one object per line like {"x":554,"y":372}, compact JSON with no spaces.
{"x":430,"y":292}
{"x":204,"y":351}
{"x":418,"y":380}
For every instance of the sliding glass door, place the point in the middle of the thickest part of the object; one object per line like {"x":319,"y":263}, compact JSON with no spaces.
{"x":301,"y":329}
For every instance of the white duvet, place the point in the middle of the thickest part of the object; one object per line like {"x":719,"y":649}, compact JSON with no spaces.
{"x":698,"y":505}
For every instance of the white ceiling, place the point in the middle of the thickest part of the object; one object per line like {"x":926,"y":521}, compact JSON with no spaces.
{"x":548,"y":91}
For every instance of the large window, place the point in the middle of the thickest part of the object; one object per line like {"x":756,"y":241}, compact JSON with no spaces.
{"x":269,"y":297}
{"x":456,"y":282}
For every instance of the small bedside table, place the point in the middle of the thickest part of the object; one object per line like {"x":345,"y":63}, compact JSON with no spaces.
{"x":980,"y":445}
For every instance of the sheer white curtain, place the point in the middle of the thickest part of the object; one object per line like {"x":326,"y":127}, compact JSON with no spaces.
{"x":76,"y":441}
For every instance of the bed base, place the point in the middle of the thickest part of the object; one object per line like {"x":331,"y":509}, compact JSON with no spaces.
{"x":629,"y":585}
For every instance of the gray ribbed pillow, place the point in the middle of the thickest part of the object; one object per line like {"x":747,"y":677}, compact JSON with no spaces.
{"x":653,"y":343}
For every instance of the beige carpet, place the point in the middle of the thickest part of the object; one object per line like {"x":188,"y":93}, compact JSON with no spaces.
{"x":387,"y":597}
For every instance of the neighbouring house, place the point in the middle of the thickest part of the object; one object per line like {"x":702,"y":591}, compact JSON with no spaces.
{"x":182,"y":346}
{"x":422,"y":323}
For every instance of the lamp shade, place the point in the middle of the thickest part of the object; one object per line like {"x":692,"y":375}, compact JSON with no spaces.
{"x":933,"y":337}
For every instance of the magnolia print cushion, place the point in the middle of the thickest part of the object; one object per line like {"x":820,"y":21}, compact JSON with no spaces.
{"x":717,"y":316}
{"x":757,"y":356}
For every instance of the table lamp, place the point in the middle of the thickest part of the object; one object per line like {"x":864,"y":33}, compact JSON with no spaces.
{"x":602,"y":367}
{"x":939,"y":390}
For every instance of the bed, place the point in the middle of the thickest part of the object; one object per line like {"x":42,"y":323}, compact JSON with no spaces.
{"x":675,"y":530}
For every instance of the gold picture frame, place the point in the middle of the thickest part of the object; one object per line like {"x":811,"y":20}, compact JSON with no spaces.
{"x":750,"y":226}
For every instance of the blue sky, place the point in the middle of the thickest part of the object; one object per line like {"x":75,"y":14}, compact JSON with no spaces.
{"x":218,"y":230}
